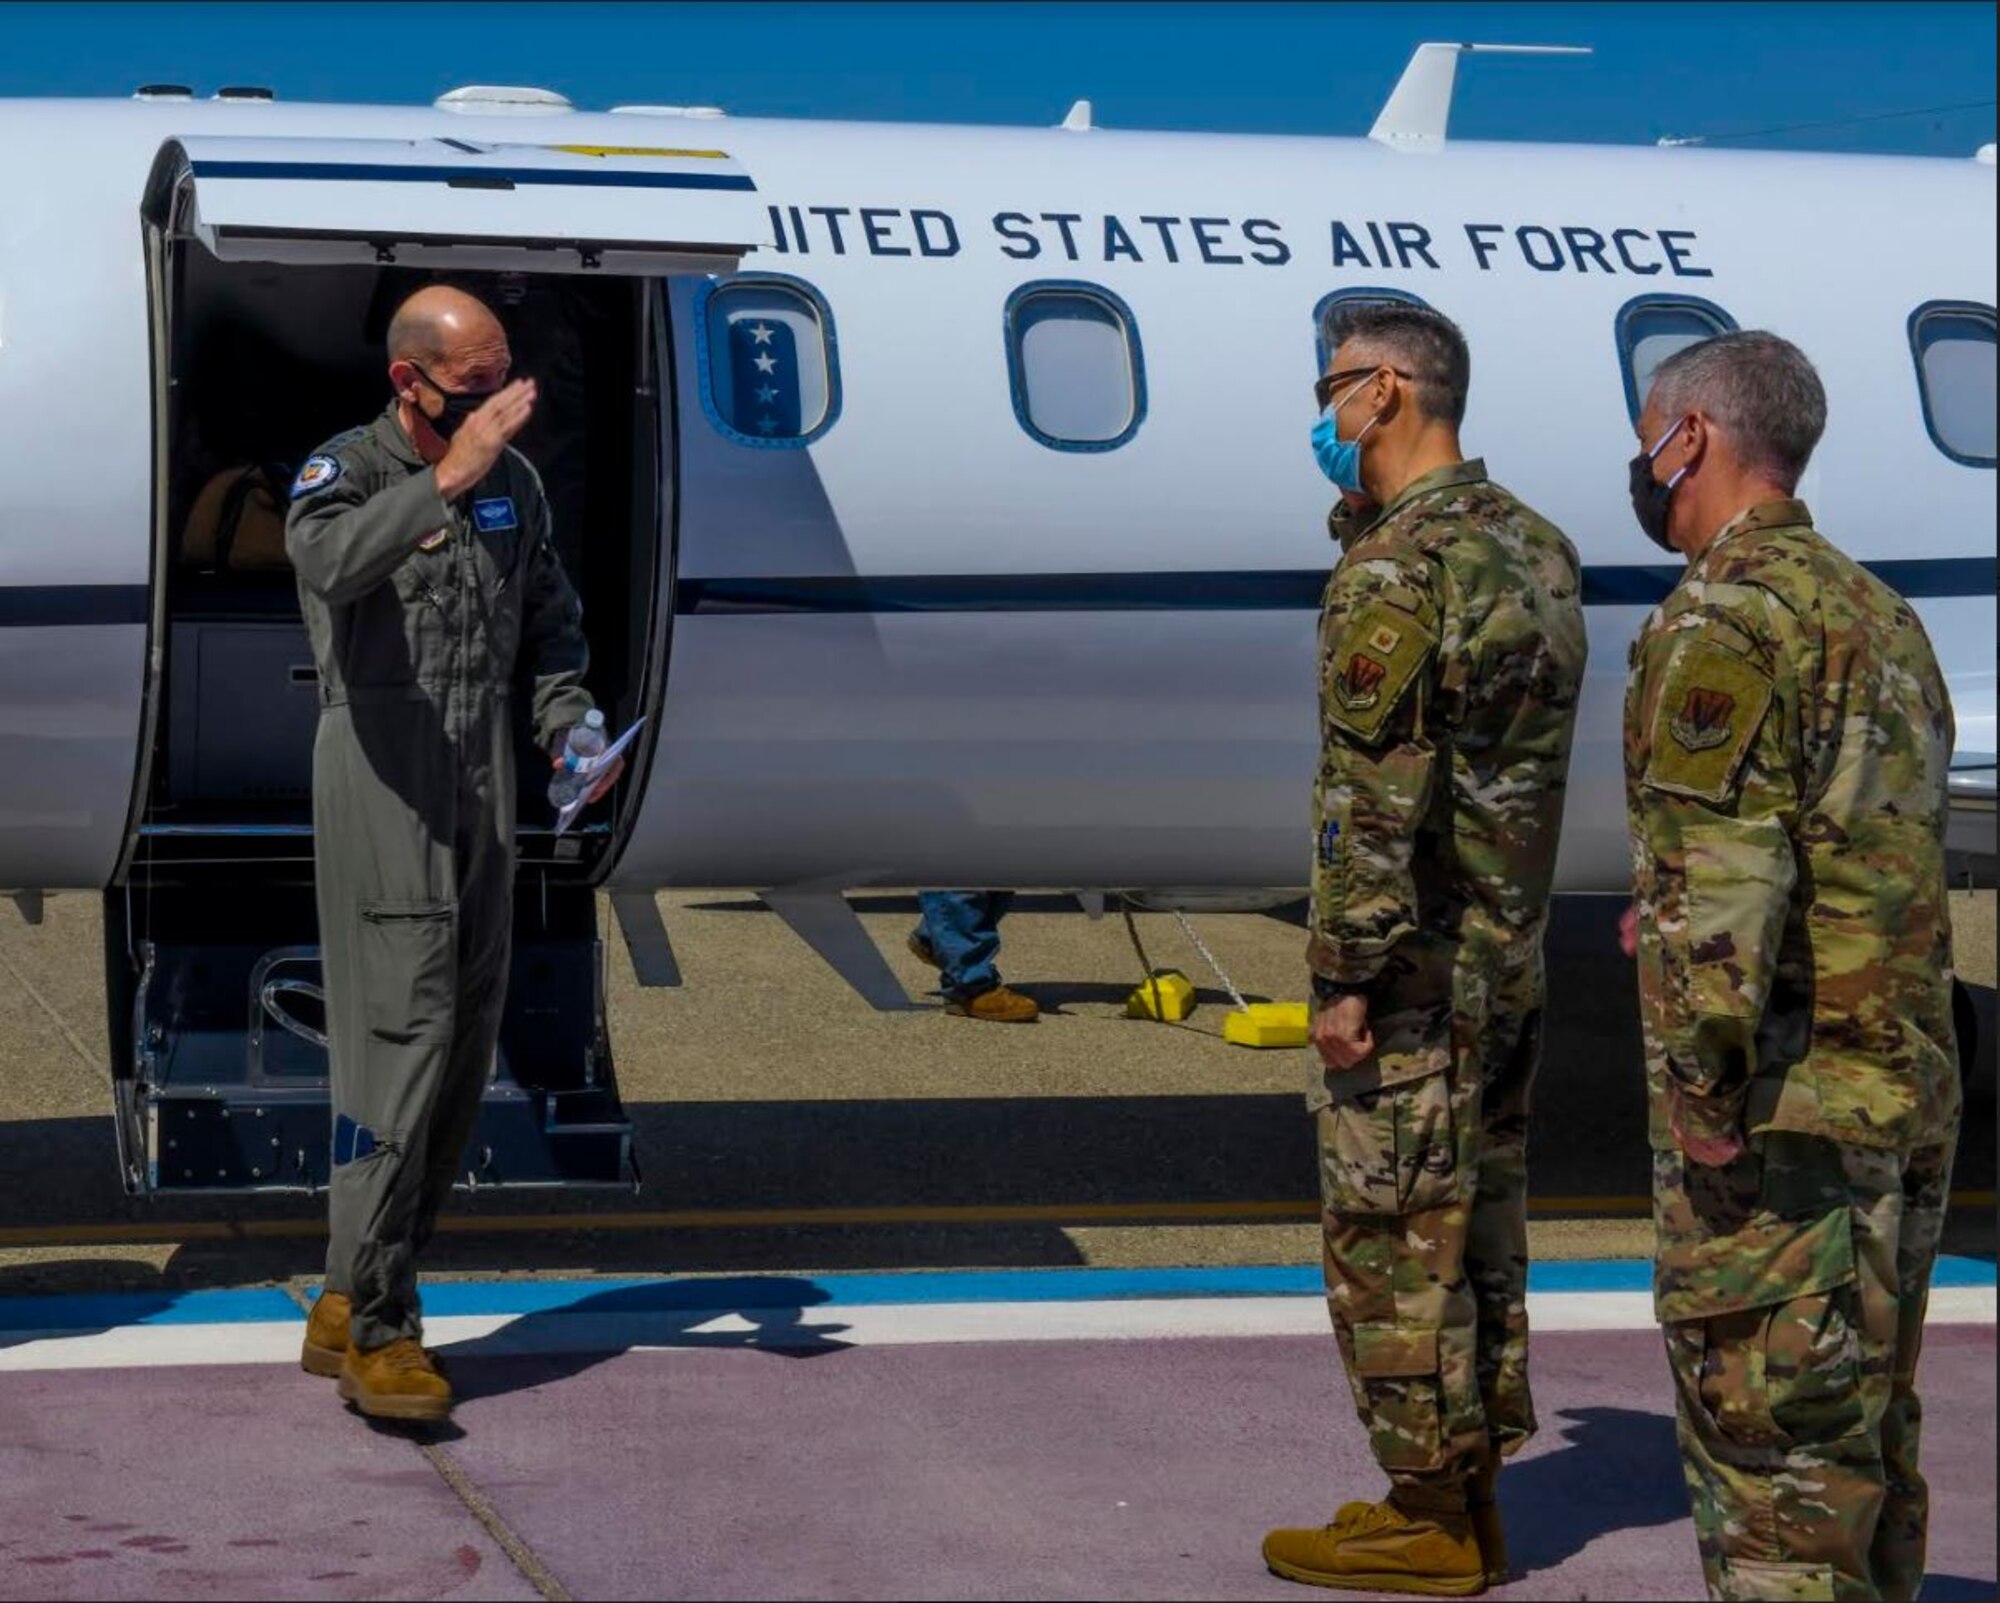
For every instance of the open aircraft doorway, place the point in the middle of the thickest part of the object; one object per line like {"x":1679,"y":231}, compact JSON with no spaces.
{"x":272,"y":267}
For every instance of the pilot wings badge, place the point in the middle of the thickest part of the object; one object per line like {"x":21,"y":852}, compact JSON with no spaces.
{"x":1703,"y":722}
{"x":1360,"y":687}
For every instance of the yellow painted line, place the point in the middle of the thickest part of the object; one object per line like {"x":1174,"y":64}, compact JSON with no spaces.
{"x":1079,"y":1213}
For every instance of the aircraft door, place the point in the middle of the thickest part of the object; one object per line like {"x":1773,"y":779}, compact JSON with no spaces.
{"x":214,"y":988}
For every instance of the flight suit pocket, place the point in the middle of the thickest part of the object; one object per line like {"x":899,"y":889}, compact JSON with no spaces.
{"x":1397,"y":1366}
{"x":1388,"y":1149}
{"x":408,"y":968}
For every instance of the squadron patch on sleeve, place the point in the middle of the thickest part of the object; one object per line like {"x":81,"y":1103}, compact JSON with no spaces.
{"x":1707,"y":717}
{"x":317,"y":473}
{"x":1374,"y":662}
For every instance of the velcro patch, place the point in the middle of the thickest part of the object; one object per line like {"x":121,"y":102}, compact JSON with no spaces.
{"x":1708,"y":714}
{"x":316,"y":474}
{"x":495,"y":514}
{"x":1376,"y":657}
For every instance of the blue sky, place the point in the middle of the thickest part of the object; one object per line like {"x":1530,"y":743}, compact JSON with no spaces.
{"x":1683,"y":69}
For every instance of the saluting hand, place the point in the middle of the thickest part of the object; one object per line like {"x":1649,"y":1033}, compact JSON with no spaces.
{"x":483,"y":436}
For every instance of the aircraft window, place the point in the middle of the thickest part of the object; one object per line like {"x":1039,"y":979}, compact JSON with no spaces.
{"x":769,"y":371}
{"x":1652,"y":328}
{"x":1953,"y":345}
{"x":1073,"y":360}
{"x":1344,"y":299}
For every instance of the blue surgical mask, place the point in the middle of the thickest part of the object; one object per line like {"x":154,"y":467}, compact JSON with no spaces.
{"x":1340,"y":460}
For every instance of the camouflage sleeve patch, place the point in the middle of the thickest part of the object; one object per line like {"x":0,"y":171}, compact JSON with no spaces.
{"x":1707,"y":716}
{"x":1380,"y":649}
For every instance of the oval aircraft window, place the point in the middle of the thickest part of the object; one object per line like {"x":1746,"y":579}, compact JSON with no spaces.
{"x":1074,"y":364}
{"x":1954,"y":347}
{"x":1654,"y":327}
{"x":766,"y":350}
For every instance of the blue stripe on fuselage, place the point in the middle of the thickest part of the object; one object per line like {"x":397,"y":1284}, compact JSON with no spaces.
{"x":1255,"y":590}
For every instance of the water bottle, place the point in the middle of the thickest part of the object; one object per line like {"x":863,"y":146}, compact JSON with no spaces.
{"x":586,"y":739}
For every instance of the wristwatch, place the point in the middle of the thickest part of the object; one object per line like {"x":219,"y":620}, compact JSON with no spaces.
{"x":1326,"y":990}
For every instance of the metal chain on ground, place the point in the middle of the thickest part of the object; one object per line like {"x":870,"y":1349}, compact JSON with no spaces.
{"x":1228,"y":984}
{"x":1145,"y":964}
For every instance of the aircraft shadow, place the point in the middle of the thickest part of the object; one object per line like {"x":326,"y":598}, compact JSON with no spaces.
{"x":135,"y":1290}
{"x":759,"y":1313}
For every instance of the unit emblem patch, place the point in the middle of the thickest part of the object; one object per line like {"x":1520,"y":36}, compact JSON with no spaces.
{"x":1703,"y":720}
{"x":1360,"y":687}
{"x":317,"y":473}
{"x":1710,"y":709}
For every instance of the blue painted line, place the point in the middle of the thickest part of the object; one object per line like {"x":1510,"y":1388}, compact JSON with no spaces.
{"x":752,"y":1293}
{"x":116,"y":1310}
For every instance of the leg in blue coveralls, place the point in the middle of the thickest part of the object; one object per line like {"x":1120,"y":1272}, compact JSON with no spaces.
{"x":963,"y":929}
{"x":960,"y":933}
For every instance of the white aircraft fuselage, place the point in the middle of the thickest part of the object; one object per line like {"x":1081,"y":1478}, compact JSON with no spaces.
{"x":927,"y":648}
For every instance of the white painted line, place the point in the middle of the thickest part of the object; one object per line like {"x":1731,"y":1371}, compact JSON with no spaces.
{"x":876,"y":1325}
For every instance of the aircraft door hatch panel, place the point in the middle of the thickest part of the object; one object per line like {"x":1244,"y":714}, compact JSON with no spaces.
{"x":627,"y":209}
{"x":219,"y":1057}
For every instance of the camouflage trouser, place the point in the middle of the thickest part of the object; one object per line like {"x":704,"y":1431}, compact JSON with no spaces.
{"x":1792,"y":1286}
{"x":1424,"y":1181}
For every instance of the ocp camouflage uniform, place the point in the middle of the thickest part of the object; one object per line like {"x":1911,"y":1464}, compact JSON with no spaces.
{"x":1451,"y":655}
{"x":1787,"y":736}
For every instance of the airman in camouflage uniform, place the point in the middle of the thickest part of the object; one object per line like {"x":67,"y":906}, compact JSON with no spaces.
{"x":1787,"y":735}
{"x":1451,"y":656}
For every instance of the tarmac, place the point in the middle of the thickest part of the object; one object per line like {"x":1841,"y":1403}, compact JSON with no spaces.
{"x":954,"y":1222}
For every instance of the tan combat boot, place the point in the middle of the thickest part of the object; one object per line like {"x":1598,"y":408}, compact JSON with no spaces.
{"x":1378,"y":1547}
{"x":326,"y":1336}
{"x":997,"y":1006}
{"x":398,"y":1381}
{"x":1483,"y":1504}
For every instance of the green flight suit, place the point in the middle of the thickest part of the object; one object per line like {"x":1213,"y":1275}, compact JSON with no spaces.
{"x":422,"y":615}
{"x":1787,"y":738}
{"x":1452,"y":651}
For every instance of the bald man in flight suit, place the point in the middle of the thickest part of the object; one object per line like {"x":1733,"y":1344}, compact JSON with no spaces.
{"x":428,"y":579}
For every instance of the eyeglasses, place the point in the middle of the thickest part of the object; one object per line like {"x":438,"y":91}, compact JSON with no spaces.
{"x":1326,"y":384}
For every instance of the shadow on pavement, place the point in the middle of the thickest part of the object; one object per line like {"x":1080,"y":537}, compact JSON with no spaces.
{"x":758,"y":1313}
{"x":1618,"y":1469}
{"x":129,"y":1291}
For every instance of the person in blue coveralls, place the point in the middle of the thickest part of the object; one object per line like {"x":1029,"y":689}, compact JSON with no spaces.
{"x":959,"y":936}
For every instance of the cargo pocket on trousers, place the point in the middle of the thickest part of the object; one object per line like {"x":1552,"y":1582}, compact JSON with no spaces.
{"x":1397,"y":1366}
{"x":1767,"y":1316}
{"x":1389,"y":1150}
{"x":408,"y":964}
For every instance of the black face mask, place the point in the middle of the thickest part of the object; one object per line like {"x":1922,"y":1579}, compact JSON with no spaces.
{"x":458,"y":406}
{"x":1651,"y":498}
